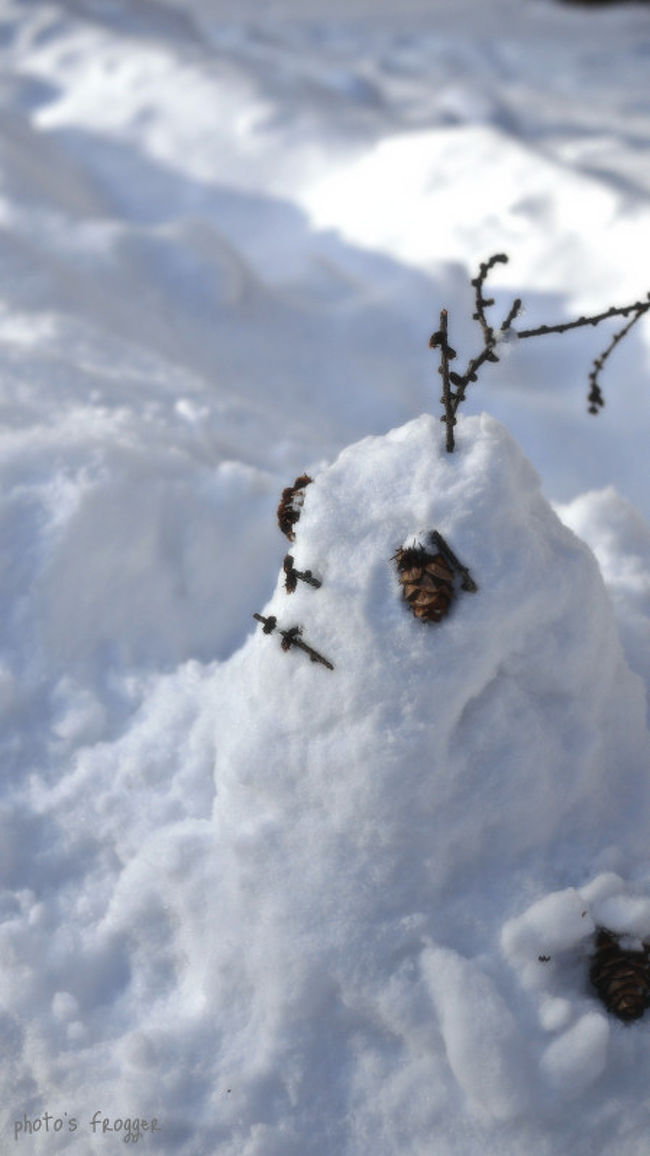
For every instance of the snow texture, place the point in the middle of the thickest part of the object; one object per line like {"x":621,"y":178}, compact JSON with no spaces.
{"x":250,"y":905}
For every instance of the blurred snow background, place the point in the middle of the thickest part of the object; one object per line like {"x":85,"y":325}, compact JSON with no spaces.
{"x":226,"y":232}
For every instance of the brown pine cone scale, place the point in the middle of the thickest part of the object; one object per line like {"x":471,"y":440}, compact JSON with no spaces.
{"x":621,"y":977}
{"x":427,"y":582}
{"x":291,"y":505}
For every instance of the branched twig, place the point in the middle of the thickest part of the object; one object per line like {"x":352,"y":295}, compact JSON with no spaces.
{"x":291,"y":638}
{"x":454,"y":385}
{"x":481,"y":301}
{"x":450,"y":399}
{"x":595,"y":398}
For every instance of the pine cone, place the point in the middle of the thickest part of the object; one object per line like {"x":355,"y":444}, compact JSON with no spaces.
{"x":427,"y":582}
{"x":621,"y":977}
{"x":291,"y":505}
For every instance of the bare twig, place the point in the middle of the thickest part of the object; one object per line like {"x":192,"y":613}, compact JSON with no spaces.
{"x":269,"y":624}
{"x":596,"y":399}
{"x":514,"y":310}
{"x":292,"y":576}
{"x":639,"y":307}
{"x":481,"y":301}
{"x":466,"y":582}
{"x":291,"y":638}
{"x":439,"y":340}
{"x":454,"y":385}
{"x":451,"y":399}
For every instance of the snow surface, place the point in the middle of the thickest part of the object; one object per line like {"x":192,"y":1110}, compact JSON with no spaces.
{"x":282,"y":909}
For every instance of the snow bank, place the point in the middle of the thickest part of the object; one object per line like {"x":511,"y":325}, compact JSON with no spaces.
{"x":379,"y":939}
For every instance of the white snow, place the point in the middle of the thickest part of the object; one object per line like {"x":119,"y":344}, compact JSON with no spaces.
{"x":249,"y":905}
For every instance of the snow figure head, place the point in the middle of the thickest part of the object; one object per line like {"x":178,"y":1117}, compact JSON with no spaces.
{"x":481,"y":741}
{"x":380,"y":818}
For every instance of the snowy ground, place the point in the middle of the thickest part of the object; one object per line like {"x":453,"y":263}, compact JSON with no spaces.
{"x":280,"y":909}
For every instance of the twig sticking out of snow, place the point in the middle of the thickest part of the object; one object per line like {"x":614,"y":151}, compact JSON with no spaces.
{"x":291,"y":638}
{"x":452,"y":397}
{"x":467,"y":582}
{"x":292,"y":576}
{"x":439,"y":340}
{"x":455,"y":384}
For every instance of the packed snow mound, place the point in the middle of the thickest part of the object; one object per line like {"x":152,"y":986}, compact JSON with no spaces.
{"x":381,"y":822}
{"x":371,"y":931}
{"x":523,"y":687}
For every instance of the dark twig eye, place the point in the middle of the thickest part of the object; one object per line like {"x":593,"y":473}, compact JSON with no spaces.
{"x":293,"y":576}
{"x":292,"y":637}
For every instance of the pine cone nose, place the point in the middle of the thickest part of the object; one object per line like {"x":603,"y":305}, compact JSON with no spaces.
{"x":427,"y":583}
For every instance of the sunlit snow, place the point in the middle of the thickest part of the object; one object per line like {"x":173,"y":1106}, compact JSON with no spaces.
{"x":251,"y":905}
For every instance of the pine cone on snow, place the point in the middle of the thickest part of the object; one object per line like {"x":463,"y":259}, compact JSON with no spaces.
{"x":291,"y":505}
{"x":621,"y":977}
{"x":427,"y":582}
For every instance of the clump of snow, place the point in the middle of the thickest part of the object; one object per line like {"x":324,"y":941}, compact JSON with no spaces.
{"x":483,"y":1044}
{"x":549,"y":946}
{"x":577,"y":1057}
